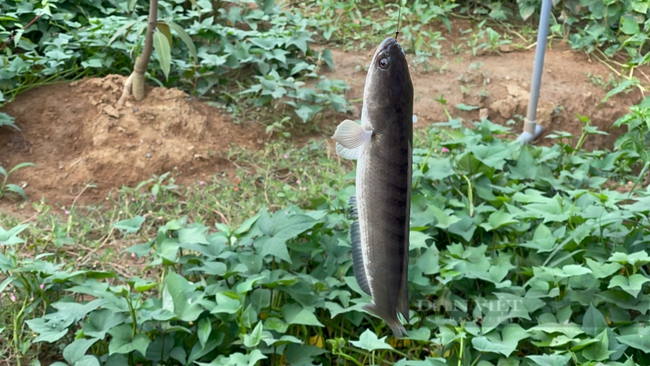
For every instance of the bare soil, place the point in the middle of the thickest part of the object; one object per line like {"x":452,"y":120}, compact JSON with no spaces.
{"x":77,"y":134}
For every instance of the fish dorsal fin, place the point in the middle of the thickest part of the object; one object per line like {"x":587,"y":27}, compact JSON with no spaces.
{"x":351,"y":138}
{"x":354,"y":213}
{"x":357,"y":255}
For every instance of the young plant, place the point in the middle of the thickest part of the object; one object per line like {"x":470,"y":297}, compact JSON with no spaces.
{"x":9,"y":188}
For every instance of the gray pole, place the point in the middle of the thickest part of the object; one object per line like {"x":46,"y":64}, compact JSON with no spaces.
{"x":531,"y":129}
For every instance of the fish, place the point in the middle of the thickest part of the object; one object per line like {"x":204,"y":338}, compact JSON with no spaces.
{"x":382,"y":146}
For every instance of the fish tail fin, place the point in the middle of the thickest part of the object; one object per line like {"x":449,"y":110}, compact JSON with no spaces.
{"x":398,"y":329}
{"x":403,"y":301}
{"x":392,"y":321}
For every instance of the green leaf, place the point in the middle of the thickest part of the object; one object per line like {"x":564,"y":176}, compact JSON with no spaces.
{"x":444,"y":220}
{"x":640,"y":340}
{"x":632,"y":285}
{"x":197,"y":351}
{"x":120,"y":31}
{"x":551,"y":360}
{"x":464,"y":107}
{"x":276,"y":324}
{"x":76,"y":350}
{"x":253,"y":339}
{"x":439,"y":169}
{"x":247,"y":285}
{"x":526,"y":10}
{"x":266,"y":43}
{"x":638,"y":258}
{"x":246,"y":225}
{"x":327,"y":56}
{"x":543,"y":240}
{"x":193,"y":235}
{"x":572,"y":270}
{"x":121,"y":340}
{"x":123,"y":343}
{"x":603,"y":270}
{"x":498,"y":219}
{"x":298,"y":354}
{"x":623,"y":85}
{"x":482,"y":344}
{"x":101,"y":321}
{"x":164,"y":29}
{"x":505,"y":344}
{"x":279,"y":228}
{"x":87,"y":360}
{"x":598,"y":351}
{"x":369,"y":342}
{"x":51,"y":327}
{"x":185,"y":38}
{"x":492,"y":155}
{"x":418,"y":240}
{"x":10,"y":237}
{"x":7,"y":120}
{"x":429,"y":261}
{"x":203,"y":331}
{"x":296,"y":314}
{"x":15,"y":189}
{"x":570,"y":330}
{"x":237,"y":358}
{"x":629,"y":25}
{"x":168,"y":250}
{"x":428,"y":361}
{"x":20,"y":166}
{"x":226,"y":304}
{"x":163,"y":51}
{"x":176,"y":300}
{"x":464,"y":228}
{"x":129,"y":226}
{"x":525,"y":168}
{"x":422,"y":334}
{"x":593,"y":322}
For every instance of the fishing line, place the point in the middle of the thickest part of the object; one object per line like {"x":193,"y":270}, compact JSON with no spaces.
{"x":399,"y":20}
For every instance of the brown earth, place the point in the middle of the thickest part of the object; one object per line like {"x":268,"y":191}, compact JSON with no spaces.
{"x":78,"y":136}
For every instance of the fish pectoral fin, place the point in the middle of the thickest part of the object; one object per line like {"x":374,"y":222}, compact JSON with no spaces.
{"x":350,"y":139}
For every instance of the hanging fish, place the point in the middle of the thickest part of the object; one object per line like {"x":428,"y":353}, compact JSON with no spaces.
{"x":382,"y":145}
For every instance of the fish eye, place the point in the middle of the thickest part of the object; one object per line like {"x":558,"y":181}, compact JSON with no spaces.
{"x":384,"y":63}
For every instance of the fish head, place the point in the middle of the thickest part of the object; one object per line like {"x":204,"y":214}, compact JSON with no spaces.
{"x":388,"y":93}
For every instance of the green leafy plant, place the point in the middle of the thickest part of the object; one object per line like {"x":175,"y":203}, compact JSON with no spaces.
{"x":518,"y":254}
{"x":223,"y":45}
{"x":637,"y":138}
{"x":7,"y":120}
{"x":157,"y":185}
{"x":10,"y":188}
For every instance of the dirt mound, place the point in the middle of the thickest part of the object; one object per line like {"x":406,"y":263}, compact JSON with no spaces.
{"x":78,"y":135}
